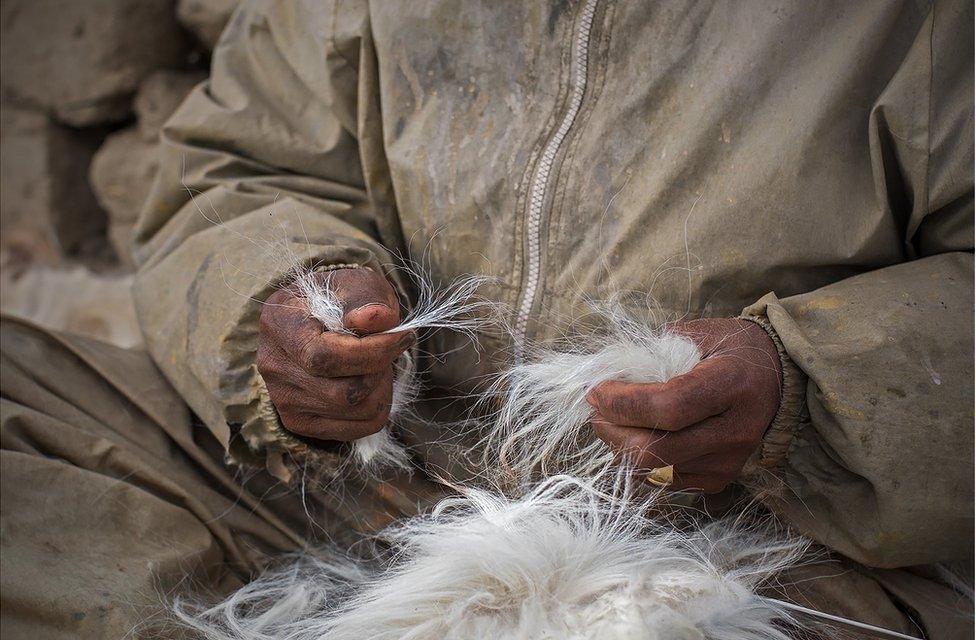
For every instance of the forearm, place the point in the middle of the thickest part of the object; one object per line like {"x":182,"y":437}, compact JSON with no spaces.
{"x":260,"y":178}
{"x":881,"y":470}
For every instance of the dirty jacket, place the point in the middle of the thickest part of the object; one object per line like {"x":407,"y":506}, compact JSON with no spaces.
{"x":810,"y":164}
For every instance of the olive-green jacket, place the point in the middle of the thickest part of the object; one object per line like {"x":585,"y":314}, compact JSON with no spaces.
{"x":811,"y":162}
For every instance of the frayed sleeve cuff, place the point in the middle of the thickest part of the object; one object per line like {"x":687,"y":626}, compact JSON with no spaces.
{"x":792,"y":404}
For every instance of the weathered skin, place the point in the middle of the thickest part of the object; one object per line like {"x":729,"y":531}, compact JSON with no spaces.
{"x":705,"y":424}
{"x":808,"y":163}
{"x":326,"y":385}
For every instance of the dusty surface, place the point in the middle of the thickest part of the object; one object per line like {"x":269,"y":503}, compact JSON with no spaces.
{"x":86,"y":88}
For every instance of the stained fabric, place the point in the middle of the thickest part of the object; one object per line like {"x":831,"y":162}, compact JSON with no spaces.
{"x":810,"y":163}
{"x":114,"y":499}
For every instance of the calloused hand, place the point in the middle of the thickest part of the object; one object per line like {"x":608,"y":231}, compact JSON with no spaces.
{"x":705,"y":423}
{"x":333,"y":386}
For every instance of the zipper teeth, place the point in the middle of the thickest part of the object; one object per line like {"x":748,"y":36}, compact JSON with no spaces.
{"x":540,"y":183}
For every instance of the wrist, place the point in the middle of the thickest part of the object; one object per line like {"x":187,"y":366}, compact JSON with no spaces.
{"x":786,"y":421}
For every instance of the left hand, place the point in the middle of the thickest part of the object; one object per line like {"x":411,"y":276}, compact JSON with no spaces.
{"x":707,"y":422}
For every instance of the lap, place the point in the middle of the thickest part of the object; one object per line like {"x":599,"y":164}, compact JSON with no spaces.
{"x":114,"y":500}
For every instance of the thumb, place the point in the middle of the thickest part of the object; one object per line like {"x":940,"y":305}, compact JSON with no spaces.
{"x":369,"y":302}
{"x":373,"y":317}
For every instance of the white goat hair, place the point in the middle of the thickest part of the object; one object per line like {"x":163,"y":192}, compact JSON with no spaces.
{"x":539,"y":426}
{"x":567,"y":560}
{"x":453,"y":307}
{"x":381,"y":450}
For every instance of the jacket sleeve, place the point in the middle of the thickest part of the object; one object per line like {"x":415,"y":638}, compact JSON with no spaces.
{"x":274,"y":163}
{"x":871,"y":452}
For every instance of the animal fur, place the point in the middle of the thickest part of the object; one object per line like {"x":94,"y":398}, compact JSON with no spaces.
{"x":568,"y":560}
{"x":576,"y":556}
{"x":540,"y":425}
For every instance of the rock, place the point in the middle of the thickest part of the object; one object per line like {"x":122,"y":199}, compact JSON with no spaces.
{"x":158,"y":97}
{"x":125,"y":166}
{"x":47,"y":209}
{"x":82,"y":61}
{"x":206,"y":19}
{"x":122,"y":174}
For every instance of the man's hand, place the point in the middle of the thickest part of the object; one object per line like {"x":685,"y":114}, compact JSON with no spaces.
{"x":705,"y":423}
{"x":333,"y":386}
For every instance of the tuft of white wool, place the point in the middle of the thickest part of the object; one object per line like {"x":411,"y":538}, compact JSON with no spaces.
{"x":566,"y":560}
{"x":381,"y":450}
{"x":454,"y":307}
{"x":323,"y":303}
{"x":539,"y":426}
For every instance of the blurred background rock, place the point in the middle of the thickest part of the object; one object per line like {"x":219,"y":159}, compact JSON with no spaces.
{"x":84,"y":89}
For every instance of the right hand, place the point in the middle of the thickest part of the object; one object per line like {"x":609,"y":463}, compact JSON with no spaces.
{"x":333,"y":386}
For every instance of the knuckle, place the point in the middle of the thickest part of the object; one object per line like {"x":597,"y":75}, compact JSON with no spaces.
{"x":356,"y":390}
{"x":264,"y":320}
{"x":309,"y":360}
{"x":268,"y":322}
{"x":599,"y":425}
{"x":274,"y":299}
{"x":635,"y":444}
{"x":315,"y":358}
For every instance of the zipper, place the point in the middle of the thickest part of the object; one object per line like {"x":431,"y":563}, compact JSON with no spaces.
{"x":541,"y":180}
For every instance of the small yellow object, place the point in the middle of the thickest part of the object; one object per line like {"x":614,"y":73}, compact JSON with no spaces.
{"x":662,"y":476}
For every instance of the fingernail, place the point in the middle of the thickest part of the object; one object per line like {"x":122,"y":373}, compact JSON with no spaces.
{"x":367,"y":318}
{"x":371,"y":304}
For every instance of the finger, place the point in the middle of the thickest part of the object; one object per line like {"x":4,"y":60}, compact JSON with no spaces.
{"x":359,"y":398}
{"x":652,"y":448}
{"x":705,"y":391}
{"x":644,"y":448}
{"x":352,"y":398}
{"x":369,"y":302}
{"x":298,"y":417}
{"x":726,"y":463}
{"x":698,"y":482}
{"x":334,"y":355}
{"x":328,"y":354}
{"x":374,"y":317}
{"x":321,"y":428}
